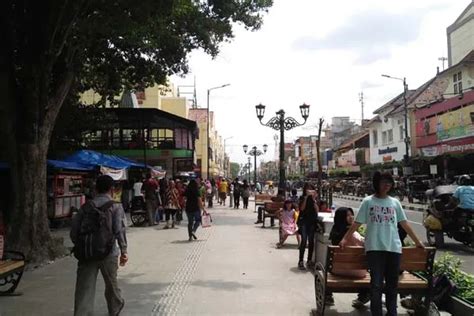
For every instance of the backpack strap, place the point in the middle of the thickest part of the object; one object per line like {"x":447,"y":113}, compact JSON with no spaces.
{"x":107,"y":205}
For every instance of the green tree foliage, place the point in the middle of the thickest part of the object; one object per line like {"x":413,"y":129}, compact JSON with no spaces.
{"x":234,"y":169}
{"x":53,"y":50}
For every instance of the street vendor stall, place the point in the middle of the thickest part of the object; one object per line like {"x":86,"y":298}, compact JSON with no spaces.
{"x":66,"y":188}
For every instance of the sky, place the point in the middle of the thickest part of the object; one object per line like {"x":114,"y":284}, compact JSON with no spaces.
{"x":323,"y":53}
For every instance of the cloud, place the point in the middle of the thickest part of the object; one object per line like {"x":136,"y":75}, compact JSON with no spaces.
{"x":370,"y":85}
{"x":370,"y":35}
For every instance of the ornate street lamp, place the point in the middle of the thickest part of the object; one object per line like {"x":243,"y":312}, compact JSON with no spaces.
{"x":255,"y":152}
{"x":282,"y":124}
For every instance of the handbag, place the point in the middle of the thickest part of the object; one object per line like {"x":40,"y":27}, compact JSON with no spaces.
{"x":206,"y":220}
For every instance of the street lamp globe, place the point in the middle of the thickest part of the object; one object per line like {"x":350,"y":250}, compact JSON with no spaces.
{"x":265,"y":147}
{"x":260,"y":111}
{"x":245,"y":147}
{"x":304,"y":111}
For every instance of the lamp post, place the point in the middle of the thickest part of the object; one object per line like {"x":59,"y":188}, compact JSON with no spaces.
{"x":249,"y":165}
{"x":282,"y":124}
{"x":226,"y":163}
{"x":255,"y":152}
{"x":406,"y":157}
{"x":208,"y":119}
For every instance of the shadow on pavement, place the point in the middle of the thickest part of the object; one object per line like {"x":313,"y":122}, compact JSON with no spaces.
{"x":222,"y":285}
{"x":297,"y":270}
{"x":186,"y":241}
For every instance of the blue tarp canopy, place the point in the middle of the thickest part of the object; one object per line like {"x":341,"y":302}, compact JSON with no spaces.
{"x":59,"y":164}
{"x":93,"y":159}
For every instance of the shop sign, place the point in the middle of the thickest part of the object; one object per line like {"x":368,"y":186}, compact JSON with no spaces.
{"x":387,"y":158}
{"x":434,"y":169}
{"x":455,"y":146}
{"x":388,"y":150}
{"x":430,"y":151}
{"x":395,"y":171}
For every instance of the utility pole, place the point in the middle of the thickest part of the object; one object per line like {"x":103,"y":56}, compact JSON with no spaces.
{"x":361,"y":100}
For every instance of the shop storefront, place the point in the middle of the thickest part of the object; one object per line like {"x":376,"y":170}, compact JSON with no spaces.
{"x":445,"y":135}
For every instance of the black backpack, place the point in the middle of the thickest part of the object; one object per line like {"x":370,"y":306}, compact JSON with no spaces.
{"x":95,"y":238}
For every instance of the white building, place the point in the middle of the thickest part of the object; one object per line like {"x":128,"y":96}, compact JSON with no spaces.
{"x":387,"y":132}
{"x":460,"y":36}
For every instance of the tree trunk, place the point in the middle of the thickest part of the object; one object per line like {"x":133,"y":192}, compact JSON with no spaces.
{"x":27,"y":223}
{"x":28,"y":228}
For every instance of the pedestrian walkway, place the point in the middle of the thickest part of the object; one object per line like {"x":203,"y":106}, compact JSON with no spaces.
{"x":233,"y":269}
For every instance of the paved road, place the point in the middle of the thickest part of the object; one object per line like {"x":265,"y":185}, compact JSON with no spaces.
{"x":415,"y":218}
{"x":234,"y":269}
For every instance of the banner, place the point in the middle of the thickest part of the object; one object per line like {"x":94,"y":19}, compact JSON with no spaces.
{"x":116,"y":174}
{"x":455,"y":124}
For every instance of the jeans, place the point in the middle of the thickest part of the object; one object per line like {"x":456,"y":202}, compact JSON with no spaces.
{"x":236,"y":201}
{"x":151,"y":205}
{"x":383,"y":265}
{"x":246,"y":202}
{"x":194,"y":220}
{"x":307,"y":231}
{"x":84,"y":296}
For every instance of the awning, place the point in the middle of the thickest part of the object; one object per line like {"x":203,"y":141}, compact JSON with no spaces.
{"x":67,"y":165}
{"x":93,"y":159}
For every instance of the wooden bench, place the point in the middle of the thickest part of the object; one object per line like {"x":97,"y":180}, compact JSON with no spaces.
{"x":413,"y":260}
{"x":261,"y":199}
{"x":271,"y":210}
{"x":11,"y":270}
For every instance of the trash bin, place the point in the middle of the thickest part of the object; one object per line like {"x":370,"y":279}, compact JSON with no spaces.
{"x":321,"y":237}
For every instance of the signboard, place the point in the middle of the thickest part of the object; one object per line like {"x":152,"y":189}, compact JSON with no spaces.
{"x":387,"y":158}
{"x":449,"y":125}
{"x":395,"y":171}
{"x":434,"y":169}
{"x":388,"y":150}
{"x":454,"y":146}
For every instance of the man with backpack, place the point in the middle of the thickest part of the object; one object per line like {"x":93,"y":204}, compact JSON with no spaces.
{"x":96,"y":229}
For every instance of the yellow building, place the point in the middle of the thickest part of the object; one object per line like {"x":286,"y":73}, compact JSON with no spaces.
{"x":165,"y":99}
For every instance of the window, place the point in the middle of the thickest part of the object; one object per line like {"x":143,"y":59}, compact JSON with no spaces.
{"x":390,"y":135}
{"x":374,"y":137}
{"x":384,"y":138}
{"x":402,"y":130}
{"x":457,"y":82}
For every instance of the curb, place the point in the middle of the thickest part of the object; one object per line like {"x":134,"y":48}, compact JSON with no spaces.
{"x":359,"y":199}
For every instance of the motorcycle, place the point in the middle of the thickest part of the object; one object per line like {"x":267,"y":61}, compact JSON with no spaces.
{"x":440,"y":218}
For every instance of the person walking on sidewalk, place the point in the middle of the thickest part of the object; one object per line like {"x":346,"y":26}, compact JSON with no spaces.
{"x":172,"y":206}
{"x":103,"y":222}
{"x":307,"y":225}
{"x":245,"y":194}
{"x":150,"y":187}
{"x":231,"y":194}
{"x":194,"y":206}
{"x":381,"y":213}
{"x":223,"y":188}
{"x":237,"y":191}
